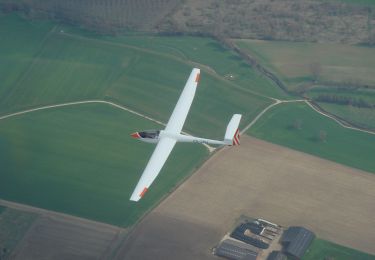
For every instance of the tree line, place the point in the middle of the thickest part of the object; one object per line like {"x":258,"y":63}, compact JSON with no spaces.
{"x":342,"y":100}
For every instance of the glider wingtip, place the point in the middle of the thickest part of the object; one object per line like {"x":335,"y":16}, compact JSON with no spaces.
{"x":136,"y":197}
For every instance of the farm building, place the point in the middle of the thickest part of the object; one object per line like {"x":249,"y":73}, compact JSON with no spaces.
{"x":236,"y":250}
{"x":239,"y":233}
{"x":277,"y":255}
{"x":296,"y":240}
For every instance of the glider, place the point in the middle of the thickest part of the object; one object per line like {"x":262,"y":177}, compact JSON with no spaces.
{"x":167,"y":138}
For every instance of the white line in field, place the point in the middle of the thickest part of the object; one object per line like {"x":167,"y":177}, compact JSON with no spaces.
{"x":210,"y":149}
{"x":278,"y":101}
{"x":338,"y":121}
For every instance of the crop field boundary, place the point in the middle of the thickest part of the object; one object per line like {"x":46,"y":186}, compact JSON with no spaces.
{"x":209,"y":148}
{"x":184,"y":60}
{"x":278,"y":101}
{"x":51,"y":213}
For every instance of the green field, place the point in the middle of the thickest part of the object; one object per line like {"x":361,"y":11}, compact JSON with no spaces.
{"x":359,"y":116}
{"x":66,"y":68}
{"x":2,"y":209}
{"x":13,"y":226}
{"x":342,"y":68}
{"x":359,"y":2}
{"x":340,"y":145}
{"x":82,"y":156}
{"x":362,"y":117}
{"x":366,"y":94}
{"x":82,"y":161}
{"x":339,"y":63}
{"x":208,"y":52}
{"x":321,"y":250}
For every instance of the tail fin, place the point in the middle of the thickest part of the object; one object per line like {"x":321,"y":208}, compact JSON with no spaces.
{"x":232,"y":135}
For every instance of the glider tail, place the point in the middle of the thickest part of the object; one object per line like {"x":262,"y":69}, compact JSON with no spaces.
{"x":232,"y":135}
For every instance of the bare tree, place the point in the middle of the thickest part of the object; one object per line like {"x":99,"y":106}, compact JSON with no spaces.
{"x":297,"y":124}
{"x":322,"y":136}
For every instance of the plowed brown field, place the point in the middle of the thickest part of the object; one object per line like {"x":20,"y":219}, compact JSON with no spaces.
{"x":258,"y":179}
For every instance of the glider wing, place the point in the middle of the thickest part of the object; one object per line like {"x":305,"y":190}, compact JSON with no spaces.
{"x":178,"y":117}
{"x":154,"y":165}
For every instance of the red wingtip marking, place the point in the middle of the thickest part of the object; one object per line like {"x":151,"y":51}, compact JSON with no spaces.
{"x":135,"y":135}
{"x":197,"y":77}
{"x":143,"y":192}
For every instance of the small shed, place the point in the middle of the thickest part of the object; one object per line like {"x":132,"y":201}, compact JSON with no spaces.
{"x":296,"y":241}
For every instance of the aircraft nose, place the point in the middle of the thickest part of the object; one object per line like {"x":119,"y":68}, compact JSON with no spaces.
{"x":135,"y":135}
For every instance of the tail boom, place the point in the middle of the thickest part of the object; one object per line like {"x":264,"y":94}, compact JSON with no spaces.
{"x":232,"y":135}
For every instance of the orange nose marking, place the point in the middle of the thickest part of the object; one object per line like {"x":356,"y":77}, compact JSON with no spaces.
{"x":135,"y":135}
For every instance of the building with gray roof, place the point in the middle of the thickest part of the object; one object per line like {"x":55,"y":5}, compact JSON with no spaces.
{"x":235,"y":250}
{"x":277,"y":255}
{"x":296,"y":241}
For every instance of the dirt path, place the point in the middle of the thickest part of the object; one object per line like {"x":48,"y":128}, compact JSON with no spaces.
{"x":278,"y":101}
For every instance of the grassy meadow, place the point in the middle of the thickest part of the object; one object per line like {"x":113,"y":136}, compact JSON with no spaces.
{"x":339,"y":63}
{"x":83,"y":157}
{"x":67,"y":68}
{"x":316,"y":134}
{"x":212,"y":56}
{"x":82,"y":161}
{"x":339,"y":70}
{"x":321,"y":249}
{"x":362,"y":117}
{"x":359,"y":2}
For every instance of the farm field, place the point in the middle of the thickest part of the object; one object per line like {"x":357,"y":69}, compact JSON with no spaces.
{"x":13,"y":226}
{"x":33,"y":233}
{"x":60,"y":238}
{"x":359,"y":2}
{"x":339,"y":71}
{"x":339,"y":63}
{"x":260,"y":180}
{"x":70,"y":67}
{"x":322,"y":249}
{"x":143,"y":73}
{"x":208,"y":52}
{"x":85,"y":160}
{"x":363,"y":117}
{"x":316,"y":134}
{"x":45,"y":152}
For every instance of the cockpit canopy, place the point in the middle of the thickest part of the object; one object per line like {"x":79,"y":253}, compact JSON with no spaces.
{"x":150,"y":134}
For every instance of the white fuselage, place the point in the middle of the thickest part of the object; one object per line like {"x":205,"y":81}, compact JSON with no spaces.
{"x":180,"y":138}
